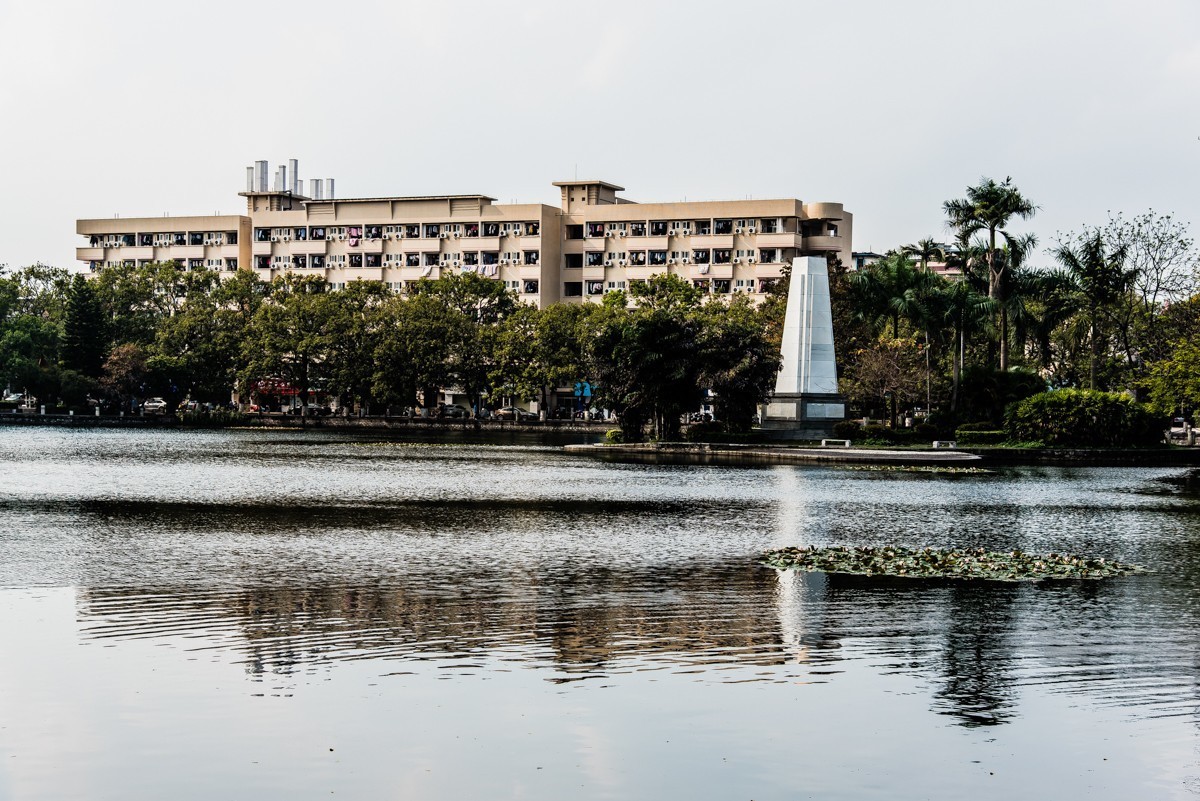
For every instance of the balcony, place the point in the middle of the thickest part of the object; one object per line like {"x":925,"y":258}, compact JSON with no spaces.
{"x":140,"y":253}
{"x":309,"y":248}
{"x":695,"y":271}
{"x":708,"y":242}
{"x":258,"y":249}
{"x":180,"y":252}
{"x":778,"y":240}
{"x":824,"y":211}
{"x":373,"y":246}
{"x":227,"y":251}
{"x":822,"y":244}
{"x":774,"y":270}
{"x":89,"y":254}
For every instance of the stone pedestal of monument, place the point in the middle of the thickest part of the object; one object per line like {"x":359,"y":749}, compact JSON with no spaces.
{"x":806,"y":403}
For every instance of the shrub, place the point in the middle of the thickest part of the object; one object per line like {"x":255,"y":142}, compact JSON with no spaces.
{"x":217,"y":418}
{"x":925,"y":431}
{"x":847,"y":429}
{"x":986,"y":393}
{"x":980,"y":437}
{"x":1083,"y":418}
{"x":983,"y":425}
{"x":613,"y":436}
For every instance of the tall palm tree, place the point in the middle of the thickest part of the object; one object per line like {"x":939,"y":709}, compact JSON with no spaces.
{"x":990,"y":207}
{"x":960,"y":307}
{"x":889,"y":290}
{"x":1102,"y":278}
{"x":925,"y":251}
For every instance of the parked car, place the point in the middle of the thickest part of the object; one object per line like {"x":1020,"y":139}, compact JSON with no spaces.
{"x":154,"y":406}
{"x":1179,"y":428}
{"x":311,"y":410}
{"x":14,"y":397}
{"x":513,"y":413}
{"x":451,"y":411}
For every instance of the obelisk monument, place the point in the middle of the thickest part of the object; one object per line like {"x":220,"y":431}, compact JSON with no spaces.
{"x":806,"y":402}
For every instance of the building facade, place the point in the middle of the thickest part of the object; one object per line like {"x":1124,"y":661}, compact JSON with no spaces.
{"x":595,"y":241}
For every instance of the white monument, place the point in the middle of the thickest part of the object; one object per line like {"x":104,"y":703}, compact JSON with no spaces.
{"x":806,"y":402}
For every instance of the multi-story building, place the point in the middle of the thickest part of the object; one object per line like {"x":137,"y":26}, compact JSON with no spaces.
{"x":594,"y":242}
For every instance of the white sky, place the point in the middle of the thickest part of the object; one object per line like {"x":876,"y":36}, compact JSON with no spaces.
{"x":141,"y":108}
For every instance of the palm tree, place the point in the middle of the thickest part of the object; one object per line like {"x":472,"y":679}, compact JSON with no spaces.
{"x":959,"y":306}
{"x":990,"y":207}
{"x":888,"y":290}
{"x":925,"y":251}
{"x":1101,"y":278}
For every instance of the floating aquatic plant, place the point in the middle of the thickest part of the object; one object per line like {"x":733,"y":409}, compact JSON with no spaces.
{"x":934,"y":563}
{"x":913,"y":468}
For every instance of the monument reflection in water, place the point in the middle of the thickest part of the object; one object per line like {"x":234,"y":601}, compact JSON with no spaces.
{"x":202,"y":615}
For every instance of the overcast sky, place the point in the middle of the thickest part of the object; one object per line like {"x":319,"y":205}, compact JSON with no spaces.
{"x":141,"y":108}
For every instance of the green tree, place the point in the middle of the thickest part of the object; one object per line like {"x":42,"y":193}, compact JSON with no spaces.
{"x":738,"y":360}
{"x":1102,"y":279}
{"x":85,"y":335}
{"x":290,"y":335}
{"x":990,"y":207}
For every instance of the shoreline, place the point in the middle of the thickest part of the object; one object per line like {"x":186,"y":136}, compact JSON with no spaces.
{"x":738,"y":454}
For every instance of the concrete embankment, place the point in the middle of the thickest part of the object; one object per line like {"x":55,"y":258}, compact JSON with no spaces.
{"x":734,"y":454}
{"x":711,"y":453}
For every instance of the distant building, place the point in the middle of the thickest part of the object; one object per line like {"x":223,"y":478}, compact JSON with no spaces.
{"x":594,"y":242}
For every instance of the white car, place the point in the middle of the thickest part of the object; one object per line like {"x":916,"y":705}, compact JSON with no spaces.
{"x":154,"y":406}
{"x":14,"y":397}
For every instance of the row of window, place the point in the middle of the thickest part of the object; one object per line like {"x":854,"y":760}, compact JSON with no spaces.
{"x":529,"y":287}
{"x":184,"y":264}
{"x":764,"y":225}
{"x":355,"y":260}
{"x":658,"y":258}
{"x":717,"y":286}
{"x":354,"y":233}
{"x":162,"y":240}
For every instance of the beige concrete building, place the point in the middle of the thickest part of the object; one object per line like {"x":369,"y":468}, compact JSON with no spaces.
{"x":594,"y":242}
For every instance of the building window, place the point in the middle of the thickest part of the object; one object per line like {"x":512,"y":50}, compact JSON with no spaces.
{"x":595,"y":258}
{"x":532,"y":229}
{"x":146,"y":240}
{"x":412,"y":260}
{"x":616,"y":286}
{"x":432,"y":231}
{"x":595,"y":287}
{"x":260,"y":235}
{"x":412,"y":231}
{"x":374,"y":260}
{"x":658,"y":228}
{"x":574,"y":232}
{"x":472,"y":230}
{"x":721,"y":256}
{"x":301,"y":234}
{"x":373,"y":232}
{"x":637,"y":257}
{"x":531,"y":256}
{"x":262,"y":262}
{"x":700,"y":256}
{"x":572,"y":289}
{"x":231,"y":264}
{"x":491,"y":229}
{"x":722,"y":227}
{"x":530,"y":287}
{"x":720,"y":286}
{"x":702,"y":227}
{"x":768,"y":226}
{"x":595,"y":230}
{"x":637,"y":229}
{"x":574,"y":261}
{"x":301,"y":261}
{"x":658,"y":257}
{"x":471,"y":259}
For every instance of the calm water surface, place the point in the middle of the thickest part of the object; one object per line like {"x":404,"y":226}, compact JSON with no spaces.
{"x":290,"y":615}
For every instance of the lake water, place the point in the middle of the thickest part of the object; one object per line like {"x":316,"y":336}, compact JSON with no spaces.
{"x":296,"y":615}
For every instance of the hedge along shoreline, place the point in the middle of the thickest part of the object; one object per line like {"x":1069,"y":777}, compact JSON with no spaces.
{"x":1083,"y":418}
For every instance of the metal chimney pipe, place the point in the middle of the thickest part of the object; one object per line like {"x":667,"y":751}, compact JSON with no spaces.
{"x":329,"y":188}
{"x":294,"y":172}
{"x":261,"y":169}
{"x":250,"y":179}
{"x":314,"y":188}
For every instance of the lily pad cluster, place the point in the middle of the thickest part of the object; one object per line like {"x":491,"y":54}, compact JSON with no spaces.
{"x":914,"y":468}
{"x":935,"y":563}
